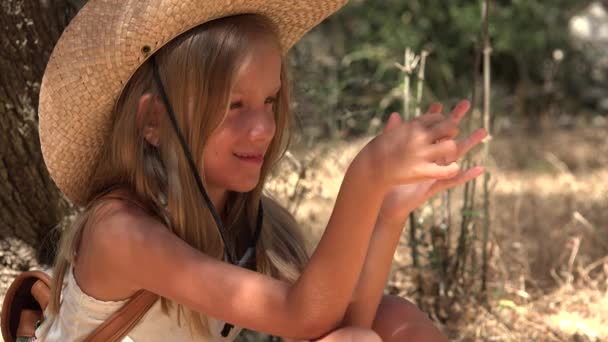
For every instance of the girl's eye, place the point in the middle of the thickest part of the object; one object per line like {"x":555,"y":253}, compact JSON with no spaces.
{"x":239,"y":104}
{"x":236,"y":105}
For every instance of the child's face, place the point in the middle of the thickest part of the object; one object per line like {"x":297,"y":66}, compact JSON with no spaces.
{"x":235,"y":151}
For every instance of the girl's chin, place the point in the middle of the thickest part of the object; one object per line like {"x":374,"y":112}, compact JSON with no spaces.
{"x":243,"y":187}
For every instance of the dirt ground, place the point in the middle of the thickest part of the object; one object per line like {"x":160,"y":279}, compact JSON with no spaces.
{"x":548,"y":245}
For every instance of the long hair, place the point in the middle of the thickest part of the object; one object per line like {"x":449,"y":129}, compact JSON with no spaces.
{"x":198,"y":70}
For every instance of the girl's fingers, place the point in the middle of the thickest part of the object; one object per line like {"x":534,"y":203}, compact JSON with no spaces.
{"x":436,"y":171}
{"x":466,"y":144}
{"x":394,"y":120}
{"x":441,"y":151}
{"x":432,"y":116}
{"x":435,"y":108}
{"x":459,"y":111}
{"x":430,"y":119}
{"x":446,"y":129}
{"x":444,"y":155}
{"x":459,"y":179}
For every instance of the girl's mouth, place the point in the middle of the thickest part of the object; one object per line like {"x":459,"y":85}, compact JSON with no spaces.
{"x":255,"y":158}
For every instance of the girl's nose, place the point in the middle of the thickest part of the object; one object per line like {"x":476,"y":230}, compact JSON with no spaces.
{"x":263,"y":127}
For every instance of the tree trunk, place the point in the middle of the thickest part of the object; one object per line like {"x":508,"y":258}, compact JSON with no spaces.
{"x":30,"y":204}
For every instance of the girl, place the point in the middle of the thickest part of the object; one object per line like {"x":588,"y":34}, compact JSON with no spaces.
{"x":163,"y":119}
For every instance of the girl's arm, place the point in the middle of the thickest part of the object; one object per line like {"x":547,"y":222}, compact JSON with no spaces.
{"x":397,"y":205}
{"x":370,"y":287}
{"x":140,"y":252}
{"x":131,"y":250}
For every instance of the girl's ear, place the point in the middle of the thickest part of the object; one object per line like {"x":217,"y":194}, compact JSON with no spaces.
{"x":149,"y":110}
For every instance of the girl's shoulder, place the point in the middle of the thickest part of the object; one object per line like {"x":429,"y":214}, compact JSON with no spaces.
{"x":120,"y":218}
{"x":116,"y":229}
{"x":117,"y":207}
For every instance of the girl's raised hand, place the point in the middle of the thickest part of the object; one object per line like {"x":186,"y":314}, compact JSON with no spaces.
{"x":402,"y":199}
{"x":408,"y":152}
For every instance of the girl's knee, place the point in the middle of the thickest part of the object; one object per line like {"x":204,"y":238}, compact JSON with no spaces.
{"x":353,"y":334}
{"x":398,"y":319}
{"x":396,"y":308}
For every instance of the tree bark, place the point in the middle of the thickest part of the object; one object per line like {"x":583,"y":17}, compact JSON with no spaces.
{"x":30,"y":204}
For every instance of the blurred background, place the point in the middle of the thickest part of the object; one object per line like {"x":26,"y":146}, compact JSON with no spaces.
{"x":519,"y":255}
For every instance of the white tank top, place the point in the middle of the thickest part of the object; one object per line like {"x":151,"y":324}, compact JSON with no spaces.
{"x":80,"y":313}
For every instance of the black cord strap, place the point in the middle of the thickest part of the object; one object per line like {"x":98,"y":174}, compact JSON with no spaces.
{"x":250,"y":252}
{"x":191,"y":164}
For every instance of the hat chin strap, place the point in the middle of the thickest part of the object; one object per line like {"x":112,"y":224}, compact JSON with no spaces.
{"x":250,"y":252}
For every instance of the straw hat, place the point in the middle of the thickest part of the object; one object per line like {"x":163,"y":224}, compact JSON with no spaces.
{"x":101,"y":49}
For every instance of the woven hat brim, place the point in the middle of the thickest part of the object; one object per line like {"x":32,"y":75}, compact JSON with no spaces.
{"x":101,"y":49}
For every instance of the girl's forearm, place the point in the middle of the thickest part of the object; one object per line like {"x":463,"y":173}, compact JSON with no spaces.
{"x":370,"y":287}
{"x":326,"y":285}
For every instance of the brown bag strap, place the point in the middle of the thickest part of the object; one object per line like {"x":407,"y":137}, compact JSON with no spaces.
{"x":122,"y":321}
{"x":28,"y":297}
{"x":23,"y":304}
{"x":19,"y":315}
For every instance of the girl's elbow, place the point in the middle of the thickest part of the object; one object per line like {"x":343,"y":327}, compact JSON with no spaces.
{"x":317,"y":323}
{"x":313,"y":316}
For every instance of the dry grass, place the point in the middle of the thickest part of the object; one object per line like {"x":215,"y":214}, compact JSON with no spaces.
{"x":549,"y":243}
{"x":549,"y":237}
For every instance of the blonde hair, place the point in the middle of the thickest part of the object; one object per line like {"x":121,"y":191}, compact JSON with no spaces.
{"x":198,"y":71}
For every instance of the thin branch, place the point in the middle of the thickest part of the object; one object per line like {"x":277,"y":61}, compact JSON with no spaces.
{"x":487,"y":52}
{"x":421,"y":78}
